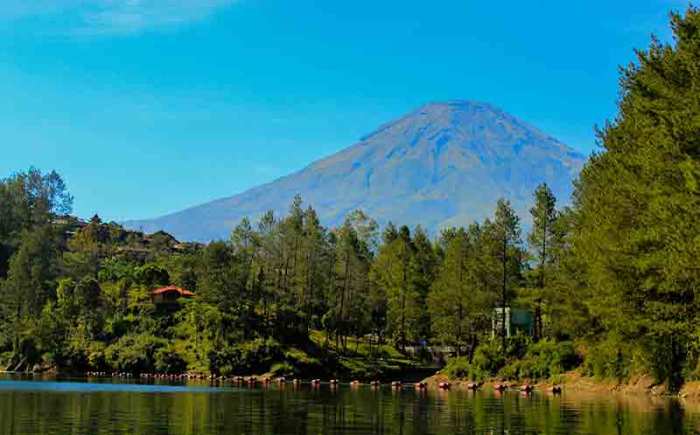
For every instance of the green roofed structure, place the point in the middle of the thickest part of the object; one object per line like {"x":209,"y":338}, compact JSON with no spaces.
{"x":517,"y":321}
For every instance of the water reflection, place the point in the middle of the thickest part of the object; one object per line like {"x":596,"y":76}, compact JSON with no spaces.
{"x":30,"y":407}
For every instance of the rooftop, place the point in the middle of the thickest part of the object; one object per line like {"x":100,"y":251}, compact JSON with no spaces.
{"x":172,"y":288}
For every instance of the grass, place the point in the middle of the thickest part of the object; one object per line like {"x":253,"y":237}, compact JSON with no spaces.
{"x":358,"y":347}
{"x":358,"y":362}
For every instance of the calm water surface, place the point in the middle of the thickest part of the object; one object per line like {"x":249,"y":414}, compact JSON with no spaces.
{"x":81,"y":407}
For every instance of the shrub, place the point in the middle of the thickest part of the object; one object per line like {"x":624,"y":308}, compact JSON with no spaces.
{"x":253,"y":356}
{"x":457,"y":368}
{"x":510,"y":371}
{"x":5,"y":358}
{"x":357,"y":368}
{"x":133,"y":353}
{"x":96,"y":355}
{"x":301,"y":362}
{"x":488,"y":358}
{"x":610,"y":359}
{"x":542,"y":360}
{"x":168,"y":360}
{"x":518,"y":345}
{"x":151,"y":276}
{"x":282,"y":369}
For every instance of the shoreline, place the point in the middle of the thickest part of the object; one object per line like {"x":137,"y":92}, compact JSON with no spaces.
{"x":571,"y":382}
{"x":574,"y":382}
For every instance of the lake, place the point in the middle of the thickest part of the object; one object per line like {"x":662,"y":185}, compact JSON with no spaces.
{"x":75,"y":406}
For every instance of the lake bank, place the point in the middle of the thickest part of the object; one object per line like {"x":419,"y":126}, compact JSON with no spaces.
{"x":571,"y":382}
{"x":574,"y":382}
{"x":107,"y":407}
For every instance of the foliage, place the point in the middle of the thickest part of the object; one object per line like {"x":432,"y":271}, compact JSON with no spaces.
{"x":487,"y":360}
{"x":463,"y":294}
{"x":638,"y":208}
{"x":134,"y":353}
{"x":395,"y":273}
{"x":78,"y":294}
{"x":610,"y":359}
{"x":257,"y":356}
{"x":489,"y":357}
{"x":543,"y":360}
{"x":167,"y":359}
{"x":282,"y":369}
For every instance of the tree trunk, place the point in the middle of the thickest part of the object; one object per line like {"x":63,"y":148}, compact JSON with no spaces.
{"x":538,"y":300}
{"x":503,"y":295}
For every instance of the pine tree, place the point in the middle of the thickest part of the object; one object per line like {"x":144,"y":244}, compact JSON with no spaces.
{"x":459,"y":301}
{"x":30,"y":284}
{"x":506,"y":230}
{"x":395,"y":272}
{"x":544,"y":216}
{"x":426,"y":269}
{"x":638,"y":206}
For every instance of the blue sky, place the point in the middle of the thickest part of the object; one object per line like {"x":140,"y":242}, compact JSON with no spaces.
{"x":150,"y":106}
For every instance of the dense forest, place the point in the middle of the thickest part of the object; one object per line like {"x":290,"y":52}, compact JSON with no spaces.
{"x":612,"y":281}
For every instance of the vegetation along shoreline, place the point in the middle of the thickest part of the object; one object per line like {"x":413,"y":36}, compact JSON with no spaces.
{"x":606,"y":288}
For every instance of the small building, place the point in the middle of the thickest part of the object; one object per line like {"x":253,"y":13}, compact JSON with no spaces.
{"x":169,"y":295}
{"x":517,"y":321}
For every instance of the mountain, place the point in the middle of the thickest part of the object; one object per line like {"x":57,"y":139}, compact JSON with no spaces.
{"x":444,"y":164}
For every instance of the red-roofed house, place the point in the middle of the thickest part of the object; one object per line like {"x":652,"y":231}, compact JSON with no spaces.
{"x":170,"y":294}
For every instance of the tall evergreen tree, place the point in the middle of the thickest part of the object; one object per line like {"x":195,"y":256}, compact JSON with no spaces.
{"x":395,"y":272}
{"x":426,"y":264}
{"x":459,"y":300}
{"x":506,"y":230}
{"x":544,"y":216}
{"x":638,"y":205}
{"x":28,"y":200}
{"x":30,"y":284}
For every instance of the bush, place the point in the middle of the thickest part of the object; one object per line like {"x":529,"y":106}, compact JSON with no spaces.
{"x":488,"y":358}
{"x":518,"y":345}
{"x":510,"y":371}
{"x":133,"y":353}
{"x":301,"y":362}
{"x":245,"y":358}
{"x":459,"y":368}
{"x":282,"y":369}
{"x":96,"y":355}
{"x":358,"y":368}
{"x":542,"y":360}
{"x":610,"y":359}
{"x":5,"y":358}
{"x":169,"y":360}
{"x":538,"y":361}
{"x":151,"y":276}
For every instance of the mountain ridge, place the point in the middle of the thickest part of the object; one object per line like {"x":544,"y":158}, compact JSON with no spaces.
{"x":411,"y":170}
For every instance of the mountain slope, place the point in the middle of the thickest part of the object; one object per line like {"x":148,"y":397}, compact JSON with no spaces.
{"x":443,"y":164}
